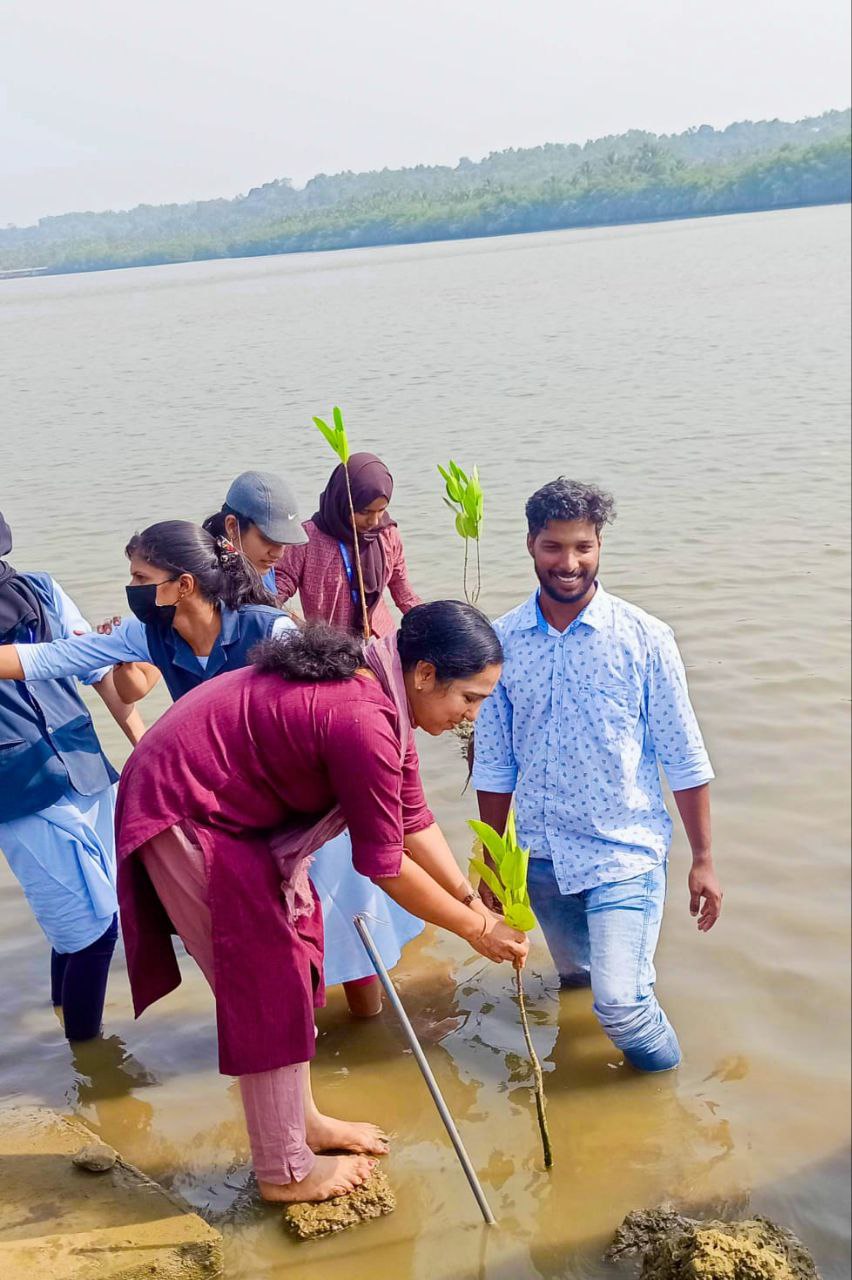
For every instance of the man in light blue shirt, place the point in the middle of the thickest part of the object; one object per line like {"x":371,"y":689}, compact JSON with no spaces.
{"x":591,"y":703}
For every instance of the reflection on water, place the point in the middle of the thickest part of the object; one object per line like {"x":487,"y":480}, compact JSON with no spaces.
{"x":698,"y":369}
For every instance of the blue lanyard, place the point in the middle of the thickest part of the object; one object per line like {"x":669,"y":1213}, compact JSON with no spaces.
{"x":347,"y":562}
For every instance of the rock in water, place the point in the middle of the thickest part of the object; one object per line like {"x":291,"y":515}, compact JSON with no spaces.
{"x":679,"y":1248}
{"x":97,"y":1157}
{"x":372,"y":1200}
{"x":643,"y":1228}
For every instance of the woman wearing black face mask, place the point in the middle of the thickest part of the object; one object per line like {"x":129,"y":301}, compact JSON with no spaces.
{"x":198,"y":609}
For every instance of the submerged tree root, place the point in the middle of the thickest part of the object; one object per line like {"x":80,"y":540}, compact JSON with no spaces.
{"x":677,"y":1248}
{"x":310,"y":1221}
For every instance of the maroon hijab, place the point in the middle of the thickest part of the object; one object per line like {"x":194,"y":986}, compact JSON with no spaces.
{"x":369,"y":479}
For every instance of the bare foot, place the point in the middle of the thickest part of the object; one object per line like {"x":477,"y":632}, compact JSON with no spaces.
{"x":324,"y":1133}
{"x":330,"y":1176}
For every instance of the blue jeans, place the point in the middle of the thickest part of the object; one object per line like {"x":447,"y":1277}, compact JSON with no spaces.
{"x":606,"y":937}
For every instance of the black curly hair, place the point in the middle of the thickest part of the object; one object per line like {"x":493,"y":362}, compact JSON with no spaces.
{"x":565,"y":499}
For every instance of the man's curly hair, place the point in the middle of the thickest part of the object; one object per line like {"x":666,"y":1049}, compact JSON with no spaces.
{"x":564,"y":499}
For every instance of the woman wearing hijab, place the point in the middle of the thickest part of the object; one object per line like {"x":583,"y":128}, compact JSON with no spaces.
{"x":57,"y":797}
{"x":330,"y":726}
{"x":324,"y":574}
{"x":323,"y":571}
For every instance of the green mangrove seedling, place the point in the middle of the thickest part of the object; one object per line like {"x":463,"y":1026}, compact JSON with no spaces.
{"x":339,"y":443}
{"x":464,"y":498}
{"x":507,"y":880}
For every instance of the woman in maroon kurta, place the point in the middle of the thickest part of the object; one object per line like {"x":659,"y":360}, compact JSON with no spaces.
{"x":235,"y":768}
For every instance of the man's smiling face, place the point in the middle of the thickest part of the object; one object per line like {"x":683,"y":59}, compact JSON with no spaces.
{"x":566,"y":555}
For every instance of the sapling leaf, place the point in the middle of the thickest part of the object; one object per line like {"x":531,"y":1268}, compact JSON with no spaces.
{"x":461,"y":526}
{"x":485,"y":873}
{"x":520,"y":916}
{"x":523,"y":868}
{"x":328,"y":432}
{"x":516,"y":873}
{"x":336,"y":435}
{"x":490,"y":839}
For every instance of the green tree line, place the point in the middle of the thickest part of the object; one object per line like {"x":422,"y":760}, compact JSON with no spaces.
{"x":632,"y":177}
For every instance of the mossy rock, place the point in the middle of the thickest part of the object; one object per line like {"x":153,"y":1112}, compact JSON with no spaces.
{"x":679,"y":1248}
{"x":311,"y":1221}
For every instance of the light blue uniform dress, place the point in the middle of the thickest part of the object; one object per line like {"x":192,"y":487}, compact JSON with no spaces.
{"x":344,"y":893}
{"x":63,"y":857}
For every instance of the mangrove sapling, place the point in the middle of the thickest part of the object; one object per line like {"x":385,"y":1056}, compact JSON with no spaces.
{"x":507,"y":880}
{"x":464,"y":498}
{"x":337,"y":439}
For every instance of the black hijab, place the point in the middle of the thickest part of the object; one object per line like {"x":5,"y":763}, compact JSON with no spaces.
{"x":19,"y":602}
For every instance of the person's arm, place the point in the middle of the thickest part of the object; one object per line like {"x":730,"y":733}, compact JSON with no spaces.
{"x":123,"y":711}
{"x":288,"y":572}
{"x":415,"y":890}
{"x":705,"y":893}
{"x":402,"y":593}
{"x":429,"y":849}
{"x":681,"y":752}
{"x":10,"y":663}
{"x":79,"y":655}
{"x":134,"y":680}
{"x":495,"y":771}
{"x":382,"y":823}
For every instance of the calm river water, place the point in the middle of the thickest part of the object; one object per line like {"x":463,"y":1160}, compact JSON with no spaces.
{"x":700,"y":370}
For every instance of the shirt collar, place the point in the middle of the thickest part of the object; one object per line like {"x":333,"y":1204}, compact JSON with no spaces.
{"x":595,"y":615}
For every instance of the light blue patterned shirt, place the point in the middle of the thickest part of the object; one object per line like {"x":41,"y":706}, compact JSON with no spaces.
{"x":577,"y":727}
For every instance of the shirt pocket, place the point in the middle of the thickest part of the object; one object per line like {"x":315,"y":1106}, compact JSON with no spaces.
{"x":612,"y":707}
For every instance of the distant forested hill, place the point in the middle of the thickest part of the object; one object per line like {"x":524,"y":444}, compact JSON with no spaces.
{"x":635,"y":176}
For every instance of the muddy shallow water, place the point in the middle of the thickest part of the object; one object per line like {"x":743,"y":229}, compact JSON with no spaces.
{"x":700,"y":370}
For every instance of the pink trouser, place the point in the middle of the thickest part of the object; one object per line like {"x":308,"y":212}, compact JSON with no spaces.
{"x":273,"y":1101}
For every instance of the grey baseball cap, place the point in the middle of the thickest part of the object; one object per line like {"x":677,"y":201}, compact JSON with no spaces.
{"x":270,"y":503}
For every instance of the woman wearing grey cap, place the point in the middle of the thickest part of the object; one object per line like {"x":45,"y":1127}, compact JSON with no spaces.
{"x":260,"y":517}
{"x":257,"y":506}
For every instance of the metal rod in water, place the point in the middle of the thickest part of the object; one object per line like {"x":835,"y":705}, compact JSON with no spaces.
{"x":426,"y":1070}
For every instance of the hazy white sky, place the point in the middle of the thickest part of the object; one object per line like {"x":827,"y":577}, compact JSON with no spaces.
{"x":108,"y":103}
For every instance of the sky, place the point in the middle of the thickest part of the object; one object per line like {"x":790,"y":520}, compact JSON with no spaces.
{"x":108,"y":104}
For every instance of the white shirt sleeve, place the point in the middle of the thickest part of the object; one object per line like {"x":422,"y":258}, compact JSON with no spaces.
{"x":88,"y":656}
{"x":282,"y":625}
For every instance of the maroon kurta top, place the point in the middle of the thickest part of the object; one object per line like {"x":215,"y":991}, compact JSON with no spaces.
{"x":235,"y":760}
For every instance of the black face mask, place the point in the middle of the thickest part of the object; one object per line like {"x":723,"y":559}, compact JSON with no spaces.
{"x":143,"y":604}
